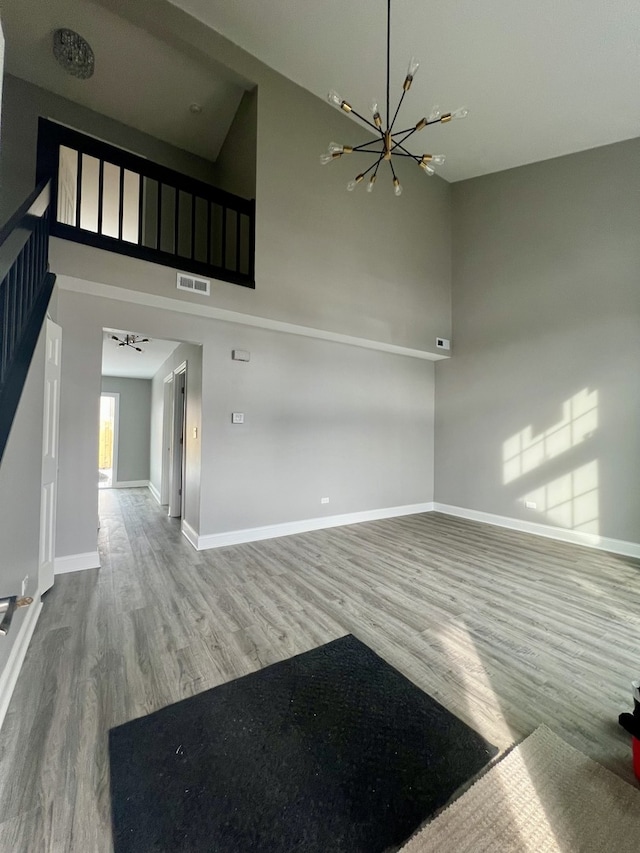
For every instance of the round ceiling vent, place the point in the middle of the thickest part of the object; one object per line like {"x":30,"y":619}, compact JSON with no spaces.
{"x":73,"y":53}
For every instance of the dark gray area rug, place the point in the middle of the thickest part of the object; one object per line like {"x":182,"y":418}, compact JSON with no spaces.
{"x":331,"y":751}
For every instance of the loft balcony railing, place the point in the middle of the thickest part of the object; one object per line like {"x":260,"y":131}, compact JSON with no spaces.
{"x":25,"y":290}
{"x":109,"y":198}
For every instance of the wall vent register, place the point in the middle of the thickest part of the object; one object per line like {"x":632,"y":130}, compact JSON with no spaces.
{"x":193,"y":284}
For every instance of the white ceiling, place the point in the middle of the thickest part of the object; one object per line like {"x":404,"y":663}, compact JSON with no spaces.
{"x":126,"y":362}
{"x":541,"y":79}
{"x":138,"y":79}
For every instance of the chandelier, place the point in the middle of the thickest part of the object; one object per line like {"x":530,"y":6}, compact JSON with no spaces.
{"x":131,"y":341}
{"x":391,"y":143}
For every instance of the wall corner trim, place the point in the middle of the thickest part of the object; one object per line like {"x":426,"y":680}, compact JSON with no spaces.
{"x":190,"y":534}
{"x":561,"y":534}
{"x":155,"y":494}
{"x":9,"y":676}
{"x":76,"y":562}
{"x":289,"y":528}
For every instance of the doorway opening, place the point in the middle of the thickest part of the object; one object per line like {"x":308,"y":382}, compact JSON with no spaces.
{"x":107,"y":439}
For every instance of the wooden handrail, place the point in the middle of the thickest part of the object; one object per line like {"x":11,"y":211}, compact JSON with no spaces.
{"x":33,"y":205}
{"x":16,"y":232}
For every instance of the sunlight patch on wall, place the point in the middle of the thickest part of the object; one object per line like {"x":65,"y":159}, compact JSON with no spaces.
{"x":525,"y":452}
{"x":570,"y":501}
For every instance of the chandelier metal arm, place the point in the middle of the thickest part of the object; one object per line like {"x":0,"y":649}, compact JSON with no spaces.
{"x":362,"y":148}
{"x":406,"y":136}
{"x":365,"y":120}
{"x":404,"y":153}
{"x":395,"y":116}
{"x":374,"y":165}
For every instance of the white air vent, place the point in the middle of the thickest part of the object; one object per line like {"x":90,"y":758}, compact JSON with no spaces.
{"x":195,"y":285}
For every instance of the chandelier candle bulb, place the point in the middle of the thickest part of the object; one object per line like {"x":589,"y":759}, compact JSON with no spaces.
{"x":411,"y":72}
{"x":397,"y":187}
{"x":435,"y":114}
{"x":371,"y":183}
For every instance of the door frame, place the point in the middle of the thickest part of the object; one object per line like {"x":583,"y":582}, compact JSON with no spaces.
{"x":178,"y":446}
{"x":167,"y":440}
{"x":49,"y":470}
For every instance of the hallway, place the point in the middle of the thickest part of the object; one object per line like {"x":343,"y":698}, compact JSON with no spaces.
{"x":505,"y":629}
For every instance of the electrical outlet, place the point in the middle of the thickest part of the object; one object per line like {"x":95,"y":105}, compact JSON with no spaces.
{"x":324,"y":500}
{"x":25,"y":583}
{"x":237,"y":417}
{"x":443,"y":343}
{"x":530,"y":504}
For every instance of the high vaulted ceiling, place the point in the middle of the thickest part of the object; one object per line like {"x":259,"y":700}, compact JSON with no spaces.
{"x":138,"y":80}
{"x":541,"y":79}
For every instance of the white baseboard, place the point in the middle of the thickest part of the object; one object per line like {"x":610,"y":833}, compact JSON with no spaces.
{"x":562,"y":534}
{"x":130,"y":484}
{"x":254,"y":534}
{"x":189,"y":534}
{"x":154,"y":492}
{"x":9,"y":676}
{"x":76,"y":562}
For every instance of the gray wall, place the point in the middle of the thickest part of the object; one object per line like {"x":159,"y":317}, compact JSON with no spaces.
{"x":236,"y":162}
{"x":368,"y":265}
{"x":23,"y":103}
{"x":542,"y":396}
{"x":134,"y":420}
{"x":322,"y":419}
{"x":1,"y":75}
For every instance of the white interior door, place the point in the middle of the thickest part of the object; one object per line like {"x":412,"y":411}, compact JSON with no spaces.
{"x":49,"y":455}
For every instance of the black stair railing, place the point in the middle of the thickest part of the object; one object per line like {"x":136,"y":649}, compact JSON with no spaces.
{"x":25,"y":290}
{"x":109,"y":198}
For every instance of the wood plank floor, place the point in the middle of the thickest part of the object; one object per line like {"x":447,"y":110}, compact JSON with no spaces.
{"x":505,"y":629}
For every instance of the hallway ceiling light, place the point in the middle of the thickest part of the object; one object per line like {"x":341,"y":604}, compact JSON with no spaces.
{"x":131,"y":341}
{"x":73,"y":53}
{"x":391,"y":143}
